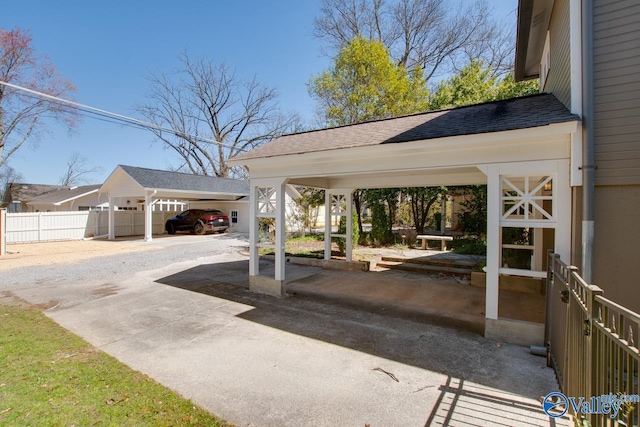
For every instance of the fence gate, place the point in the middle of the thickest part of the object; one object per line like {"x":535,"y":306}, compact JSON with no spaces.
{"x":592,"y":343}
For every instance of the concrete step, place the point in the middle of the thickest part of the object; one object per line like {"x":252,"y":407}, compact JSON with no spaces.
{"x":430,"y":261}
{"x":425,"y":268}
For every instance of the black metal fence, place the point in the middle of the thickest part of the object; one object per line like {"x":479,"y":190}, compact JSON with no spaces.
{"x":593,"y":345}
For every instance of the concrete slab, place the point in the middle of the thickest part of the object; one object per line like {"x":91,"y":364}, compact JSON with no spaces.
{"x":256,"y":360}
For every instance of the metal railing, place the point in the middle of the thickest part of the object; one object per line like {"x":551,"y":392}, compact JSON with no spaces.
{"x":592,"y":342}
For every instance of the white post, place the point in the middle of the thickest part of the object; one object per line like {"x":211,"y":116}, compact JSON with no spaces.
{"x":112,"y":219}
{"x":254,"y":260}
{"x":493,"y":241}
{"x":327,"y":224}
{"x":39,"y":226}
{"x":280,"y":230}
{"x":148,"y":218}
{"x":562,"y":207}
{"x":443,"y":214}
{"x":349,"y":248}
{"x":3,"y":232}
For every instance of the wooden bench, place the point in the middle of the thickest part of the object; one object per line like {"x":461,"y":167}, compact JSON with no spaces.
{"x":426,"y":237}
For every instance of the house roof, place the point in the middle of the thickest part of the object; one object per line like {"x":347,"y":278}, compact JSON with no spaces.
{"x":167,"y":180}
{"x":23,"y":192}
{"x":65,"y":195}
{"x":497,"y":116}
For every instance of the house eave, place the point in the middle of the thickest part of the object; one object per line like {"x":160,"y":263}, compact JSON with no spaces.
{"x":75,"y":197}
{"x":208,"y":195}
{"x":533,"y":22}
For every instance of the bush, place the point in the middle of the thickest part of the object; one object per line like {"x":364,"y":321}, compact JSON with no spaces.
{"x":342,"y":229}
{"x":469,"y":246}
{"x":380,"y":229}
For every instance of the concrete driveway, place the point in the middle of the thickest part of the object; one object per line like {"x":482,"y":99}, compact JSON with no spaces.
{"x":261,"y":361}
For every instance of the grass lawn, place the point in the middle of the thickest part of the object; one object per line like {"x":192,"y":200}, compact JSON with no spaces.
{"x":49,"y":376}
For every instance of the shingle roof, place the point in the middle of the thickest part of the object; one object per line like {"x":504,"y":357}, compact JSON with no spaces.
{"x":65,"y":194}
{"x":166,"y":180}
{"x":497,"y":116}
{"x":22,"y":192}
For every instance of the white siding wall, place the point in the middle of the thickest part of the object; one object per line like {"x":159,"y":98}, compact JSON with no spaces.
{"x":121,"y":184}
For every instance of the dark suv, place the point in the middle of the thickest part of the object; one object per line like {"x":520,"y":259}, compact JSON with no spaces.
{"x":198,"y":221}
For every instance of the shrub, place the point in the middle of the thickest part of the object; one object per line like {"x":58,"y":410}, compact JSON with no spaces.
{"x":380,"y":229}
{"x":469,"y":246}
{"x":342,"y":229}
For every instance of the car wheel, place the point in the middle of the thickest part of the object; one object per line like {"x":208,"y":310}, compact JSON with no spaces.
{"x":198,"y":228}
{"x":171,"y":229}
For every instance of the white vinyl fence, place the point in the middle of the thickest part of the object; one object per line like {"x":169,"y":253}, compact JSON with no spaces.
{"x":76,"y":225}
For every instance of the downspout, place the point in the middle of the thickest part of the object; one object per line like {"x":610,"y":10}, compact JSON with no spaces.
{"x":588,"y":166}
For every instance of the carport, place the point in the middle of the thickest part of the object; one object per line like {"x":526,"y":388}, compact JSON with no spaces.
{"x":129,"y":182}
{"x":526,"y":150}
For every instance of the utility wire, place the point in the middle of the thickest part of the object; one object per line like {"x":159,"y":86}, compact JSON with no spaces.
{"x":110,"y":117}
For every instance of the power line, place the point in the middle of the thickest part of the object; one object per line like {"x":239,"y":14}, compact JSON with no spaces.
{"x":111,"y":117}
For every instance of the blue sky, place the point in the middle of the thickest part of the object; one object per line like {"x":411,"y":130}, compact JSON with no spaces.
{"x":106,"y":48}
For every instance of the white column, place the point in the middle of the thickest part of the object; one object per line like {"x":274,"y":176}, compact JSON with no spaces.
{"x":148,"y":218}
{"x":562,"y":211}
{"x":327,"y":224}
{"x":494,"y":238}
{"x":349,"y":248}
{"x":112,"y":219}
{"x":280,"y":230}
{"x":254,"y":260}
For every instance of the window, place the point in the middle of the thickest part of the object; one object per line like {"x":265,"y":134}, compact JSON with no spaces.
{"x":234,"y":217}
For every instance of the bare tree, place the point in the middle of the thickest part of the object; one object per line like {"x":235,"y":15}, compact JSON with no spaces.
{"x":8,"y":175}
{"x":430,"y":34}
{"x":78,"y":169}
{"x":213,"y":115}
{"x":23,"y":116}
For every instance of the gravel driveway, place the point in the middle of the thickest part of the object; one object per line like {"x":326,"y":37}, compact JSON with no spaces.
{"x":98,"y":260}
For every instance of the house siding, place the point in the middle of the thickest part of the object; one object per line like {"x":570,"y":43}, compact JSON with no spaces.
{"x":617,"y":243}
{"x":559,"y":79}
{"x":123,"y":185}
{"x":617,"y":149}
{"x":617,"y":92}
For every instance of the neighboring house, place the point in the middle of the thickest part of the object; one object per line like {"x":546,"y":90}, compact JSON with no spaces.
{"x":597,"y":78}
{"x":17,"y":195}
{"x":82,"y":198}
